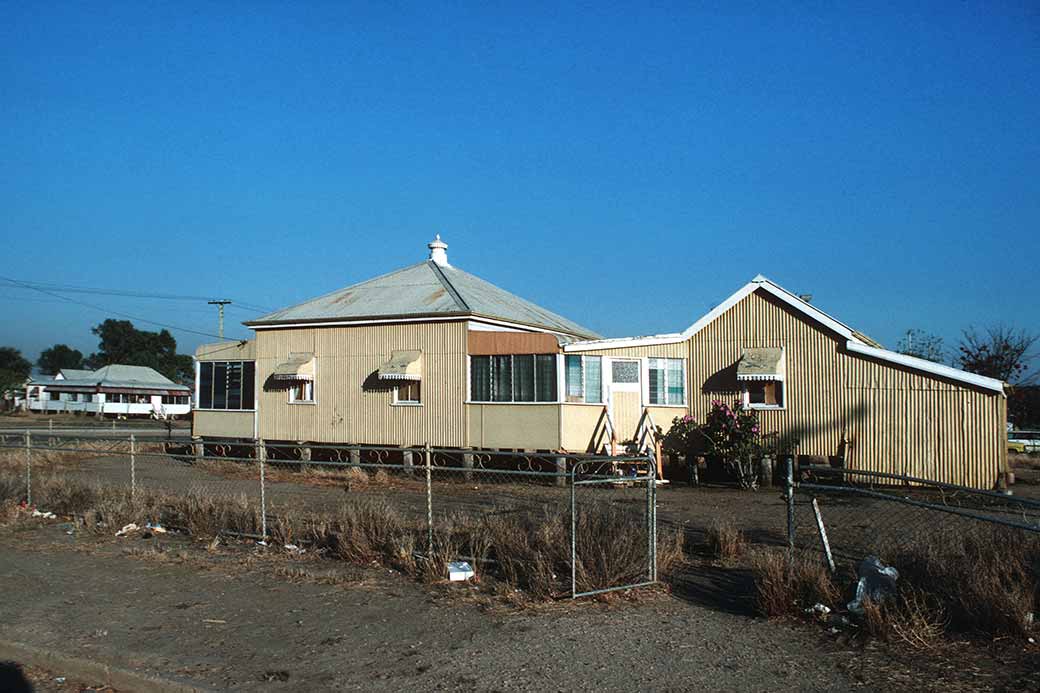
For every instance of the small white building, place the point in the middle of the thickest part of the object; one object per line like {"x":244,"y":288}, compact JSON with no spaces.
{"x":114,"y":390}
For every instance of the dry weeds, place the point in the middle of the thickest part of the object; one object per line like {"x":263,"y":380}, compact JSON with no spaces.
{"x":725,"y":540}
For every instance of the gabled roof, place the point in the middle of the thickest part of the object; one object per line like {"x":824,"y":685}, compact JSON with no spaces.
{"x":115,"y":375}
{"x":424,"y":290}
{"x":855,"y":342}
{"x":73,"y":373}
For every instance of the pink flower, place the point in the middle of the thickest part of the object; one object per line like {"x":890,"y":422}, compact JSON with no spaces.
{"x":754,"y":429}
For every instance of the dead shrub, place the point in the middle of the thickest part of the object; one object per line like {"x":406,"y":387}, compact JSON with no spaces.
{"x":380,"y":478}
{"x":786,"y":587}
{"x":725,"y":540}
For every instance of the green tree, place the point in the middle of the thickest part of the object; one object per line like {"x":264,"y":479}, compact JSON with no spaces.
{"x":59,"y":356}
{"x":14,"y":369}
{"x":922,"y":345}
{"x":121,"y":342}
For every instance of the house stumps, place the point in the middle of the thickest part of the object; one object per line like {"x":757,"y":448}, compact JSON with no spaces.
{"x":467,"y":464}
{"x":408,"y":460}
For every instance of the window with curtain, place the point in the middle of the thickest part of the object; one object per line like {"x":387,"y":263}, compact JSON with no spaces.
{"x":408,"y":392}
{"x":666,"y":381}
{"x":480,"y":378}
{"x":545,"y":377}
{"x":226,"y":385}
{"x":764,"y":394}
{"x":584,"y":379}
{"x":513,"y":378}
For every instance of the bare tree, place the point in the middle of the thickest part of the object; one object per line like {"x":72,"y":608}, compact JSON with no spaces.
{"x":922,"y":345}
{"x":1000,"y":352}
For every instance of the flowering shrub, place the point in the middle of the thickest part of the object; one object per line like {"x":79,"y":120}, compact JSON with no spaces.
{"x":731,"y":435}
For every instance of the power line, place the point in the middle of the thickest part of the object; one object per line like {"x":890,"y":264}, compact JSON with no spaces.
{"x":124,"y":293}
{"x":107,"y":310}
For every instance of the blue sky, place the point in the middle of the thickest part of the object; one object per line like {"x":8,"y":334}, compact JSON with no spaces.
{"x":626,"y":166}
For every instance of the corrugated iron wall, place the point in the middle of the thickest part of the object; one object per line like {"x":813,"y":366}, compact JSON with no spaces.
{"x":351,"y":406}
{"x":894,"y":419}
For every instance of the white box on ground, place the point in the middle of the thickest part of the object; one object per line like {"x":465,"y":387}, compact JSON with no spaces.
{"x":458,"y":571}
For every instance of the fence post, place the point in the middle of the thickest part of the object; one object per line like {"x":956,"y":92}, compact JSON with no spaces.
{"x":133,"y":467}
{"x":789,"y":493}
{"x":261,"y":456}
{"x":649,"y":529}
{"x":653,"y":523}
{"x":429,"y":502}
{"x":28,"y":469}
{"x":574,"y":537}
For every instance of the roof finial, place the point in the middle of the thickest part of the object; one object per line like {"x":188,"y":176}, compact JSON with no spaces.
{"x":438,"y":251}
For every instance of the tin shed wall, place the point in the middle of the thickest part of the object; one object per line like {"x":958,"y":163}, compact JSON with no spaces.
{"x":351,"y":404}
{"x":894,"y":419}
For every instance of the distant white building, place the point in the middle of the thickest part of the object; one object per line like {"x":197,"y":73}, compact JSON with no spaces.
{"x":114,"y":390}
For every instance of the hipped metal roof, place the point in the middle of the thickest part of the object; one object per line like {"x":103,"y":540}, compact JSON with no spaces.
{"x":423,"y":290}
{"x":113,"y":376}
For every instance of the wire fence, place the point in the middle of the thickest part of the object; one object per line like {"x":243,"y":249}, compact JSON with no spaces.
{"x":845,"y":515}
{"x":586,"y":524}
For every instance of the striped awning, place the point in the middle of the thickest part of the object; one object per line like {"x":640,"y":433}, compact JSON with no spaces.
{"x":296,"y":367}
{"x":403,"y":365}
{"x":763,"y":363}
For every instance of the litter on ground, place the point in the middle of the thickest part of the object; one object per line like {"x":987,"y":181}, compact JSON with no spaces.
{"x":459,"y":571}
{"x":127,"y":529}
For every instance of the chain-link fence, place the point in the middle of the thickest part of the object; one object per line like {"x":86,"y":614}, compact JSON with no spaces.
{"x":845,"y":515}
{"x":561,"y":524}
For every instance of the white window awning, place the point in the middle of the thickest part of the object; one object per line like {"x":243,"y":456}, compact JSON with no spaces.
{"x":763,"y":363}
{"x":296,"y":367}
{"x":405,"y":364}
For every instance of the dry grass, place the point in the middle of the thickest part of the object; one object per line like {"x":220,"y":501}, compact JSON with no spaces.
{"x":522,"y":551}
{"x":786,"y":587}
{"x":914,"y":618}
{"x":985,"y":578}
{"x":725,"y":541}
{"x":971,"y":579}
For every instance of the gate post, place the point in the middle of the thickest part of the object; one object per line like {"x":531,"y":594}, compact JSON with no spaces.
{"x":261,"y":456}
{"x":574,"y":537}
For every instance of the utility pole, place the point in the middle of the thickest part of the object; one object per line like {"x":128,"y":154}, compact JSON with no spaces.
{"x":220,"y":314}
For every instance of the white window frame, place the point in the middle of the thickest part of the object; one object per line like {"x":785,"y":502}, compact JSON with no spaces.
{"x":746,"y":397}
{"x":604,"y":364}
{"x":646,"y":380}
{"x":195,"y":399}
{"x":313,"y":382}
{"x":628,"y":387}
{"x":398,"y":402}
{"x":308,"y":386}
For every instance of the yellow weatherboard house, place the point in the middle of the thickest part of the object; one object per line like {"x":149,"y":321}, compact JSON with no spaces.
{"x":432,"y":354}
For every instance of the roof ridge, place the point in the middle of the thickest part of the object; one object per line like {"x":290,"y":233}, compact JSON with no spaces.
{"x":448,"y":286}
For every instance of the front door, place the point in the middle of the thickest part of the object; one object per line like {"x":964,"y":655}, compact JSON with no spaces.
{"x":625,"y":397}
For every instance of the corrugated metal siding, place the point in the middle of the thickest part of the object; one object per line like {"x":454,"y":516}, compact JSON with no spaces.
{"x":345,"y":358}
{"x":895,"y":420}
